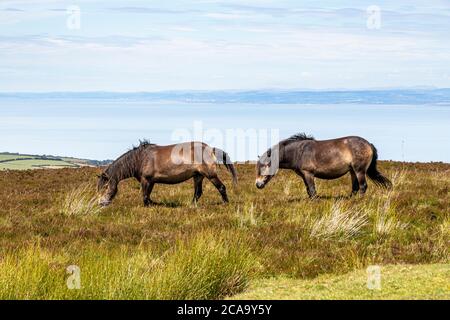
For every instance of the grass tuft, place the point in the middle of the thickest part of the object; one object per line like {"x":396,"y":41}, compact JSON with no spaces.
{"x":247,"y":217}
{"x":209,"y":267}
{"x":339,"y":224}
{"x":386,"y":220}
{"x":80,"y":202}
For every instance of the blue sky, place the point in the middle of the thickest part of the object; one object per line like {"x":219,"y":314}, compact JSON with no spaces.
{"x":211,"y":45}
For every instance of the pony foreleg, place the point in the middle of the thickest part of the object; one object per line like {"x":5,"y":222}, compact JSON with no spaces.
{"x":308,"y":179}
{"x":147,"y":188}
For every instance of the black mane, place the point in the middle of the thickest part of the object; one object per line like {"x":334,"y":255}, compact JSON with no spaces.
{"x":298,"y":137}
{"x":127,"y":164}
{"x":143,"y":144}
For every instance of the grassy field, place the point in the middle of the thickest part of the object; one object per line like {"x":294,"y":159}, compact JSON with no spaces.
{"x":11,"y":156}
{"x":275,"y":237}
{"x":15,"y":161}
{"x":396,"y":282}
{"x":34,"y":164}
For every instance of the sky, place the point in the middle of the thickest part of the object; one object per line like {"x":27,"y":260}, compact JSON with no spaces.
{"x":213,"y":45}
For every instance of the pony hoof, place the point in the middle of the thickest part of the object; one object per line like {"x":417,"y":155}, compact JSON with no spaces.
{"x":149,"y":204}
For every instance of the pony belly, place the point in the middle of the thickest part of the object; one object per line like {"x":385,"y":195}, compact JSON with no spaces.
{"x":329,"y":175}
{"x":172,"y":179}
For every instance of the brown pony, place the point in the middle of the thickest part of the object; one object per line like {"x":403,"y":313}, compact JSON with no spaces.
{"x":327,"y":159}
{"x":149,"y":164}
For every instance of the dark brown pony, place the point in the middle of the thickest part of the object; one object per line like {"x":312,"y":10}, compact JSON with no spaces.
{"x":149,"y":164}
{"x":327,"y":159}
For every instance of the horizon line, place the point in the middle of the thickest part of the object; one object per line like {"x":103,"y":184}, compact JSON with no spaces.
{"x":412,"y":88}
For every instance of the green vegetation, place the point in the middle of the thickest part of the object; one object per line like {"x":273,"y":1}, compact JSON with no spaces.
{"x":15,"y":161}
{"x":397,"y":282}
{"x":204,"y":268}
{"x":49,"y":220}
{"x":12,"y":156}
{"x":34,"y":164}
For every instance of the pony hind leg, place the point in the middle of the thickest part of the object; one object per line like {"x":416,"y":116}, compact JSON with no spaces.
{"x":361,"y":176}
{"x":355,"y":183}
{"x":198,"y":187}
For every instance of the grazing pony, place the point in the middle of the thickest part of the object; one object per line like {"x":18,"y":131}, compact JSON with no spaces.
{"x":326,"y":159}
{"x":149,"y":164}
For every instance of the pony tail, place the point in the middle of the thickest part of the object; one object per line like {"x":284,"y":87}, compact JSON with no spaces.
{"x":224,"y":158}
{"x":376,"y":175}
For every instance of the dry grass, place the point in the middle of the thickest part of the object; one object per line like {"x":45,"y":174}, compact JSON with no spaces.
{"x":80,"y":201}
{"x":339,"y":224}
{"x":288,"y":234}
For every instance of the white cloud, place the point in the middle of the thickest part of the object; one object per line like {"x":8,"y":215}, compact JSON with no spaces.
{"x":276,"y":44}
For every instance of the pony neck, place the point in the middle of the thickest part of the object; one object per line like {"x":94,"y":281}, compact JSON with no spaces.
{"x":124,"y":168}
{"x":282,"y":164}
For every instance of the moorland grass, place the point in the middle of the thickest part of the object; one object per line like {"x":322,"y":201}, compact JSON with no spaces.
{"x":206,"y":267}
{"x":284,"y":232}
{"x":396,"y":282}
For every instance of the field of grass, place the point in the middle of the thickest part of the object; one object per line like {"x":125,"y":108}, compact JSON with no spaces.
{"x":16,"y":161}
{"x":273,"y":237}
{"x":396,"y":282}
{"x":11,"y":156}
{"x":34,"y":164}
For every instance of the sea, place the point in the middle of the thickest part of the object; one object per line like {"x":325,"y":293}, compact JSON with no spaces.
{"x":105,"y":128}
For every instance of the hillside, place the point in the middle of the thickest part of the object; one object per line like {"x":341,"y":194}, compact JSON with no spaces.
{"x":17,"y":161}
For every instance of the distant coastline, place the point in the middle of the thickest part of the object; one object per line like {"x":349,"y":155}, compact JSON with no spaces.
{"x":372,"y":96}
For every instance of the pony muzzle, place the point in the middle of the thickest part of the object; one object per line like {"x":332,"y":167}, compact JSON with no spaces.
{"x":104,"y":202}
{"x":260,"y":184}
